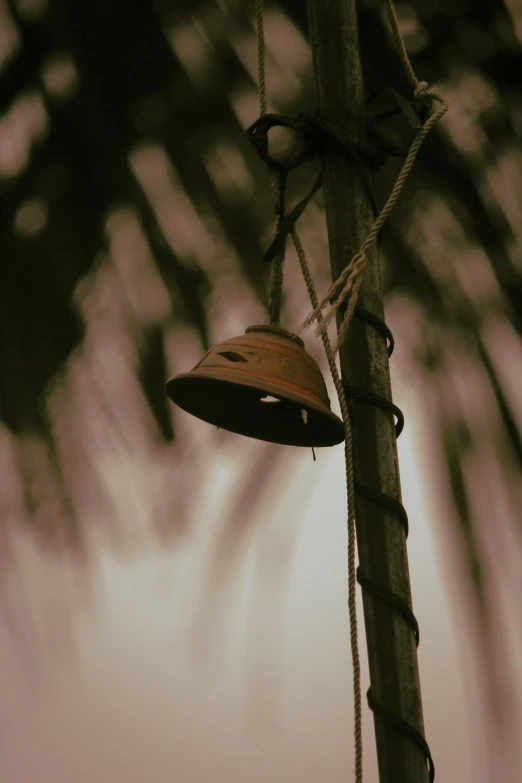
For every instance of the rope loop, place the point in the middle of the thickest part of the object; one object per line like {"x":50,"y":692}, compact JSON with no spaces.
{"x":317,"y":135}
{"x":257,"y":135}
{"x":421,"y":90}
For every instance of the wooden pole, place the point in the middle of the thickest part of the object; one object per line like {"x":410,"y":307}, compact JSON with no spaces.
{"x":381,"y":542}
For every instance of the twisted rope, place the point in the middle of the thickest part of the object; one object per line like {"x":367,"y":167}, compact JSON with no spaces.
{"x":345,"y":290}
{"x":350,"y":494}
{"x":348,"y":446}
{"x":276,"y":270}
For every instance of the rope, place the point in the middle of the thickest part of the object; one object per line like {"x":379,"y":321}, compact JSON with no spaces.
{"x":275,"y":292}
{"x":348,"y":446}
{"x":350,"y":493}
{"x":276,"y":271}
{"x":419,"y":88}
{"x":344,"y":292}
{"x":261,"y":79}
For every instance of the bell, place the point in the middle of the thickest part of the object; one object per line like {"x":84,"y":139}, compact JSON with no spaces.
{"x":263,"y":385}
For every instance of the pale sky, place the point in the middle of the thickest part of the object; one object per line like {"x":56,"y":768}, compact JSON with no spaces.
{"x":270,"y":699}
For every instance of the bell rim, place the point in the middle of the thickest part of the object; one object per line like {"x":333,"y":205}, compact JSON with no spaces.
{"x":220,"y":376}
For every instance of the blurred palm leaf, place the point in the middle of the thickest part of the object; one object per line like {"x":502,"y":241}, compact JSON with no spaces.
{"x":126,"y":119}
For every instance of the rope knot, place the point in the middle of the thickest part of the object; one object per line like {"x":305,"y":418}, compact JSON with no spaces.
{"x":421,"y":90}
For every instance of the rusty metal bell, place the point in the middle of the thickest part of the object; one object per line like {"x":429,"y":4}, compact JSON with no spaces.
{"x":264,"y":385}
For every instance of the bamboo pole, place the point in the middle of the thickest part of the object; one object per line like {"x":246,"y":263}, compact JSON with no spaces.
{"x":381,"y":543}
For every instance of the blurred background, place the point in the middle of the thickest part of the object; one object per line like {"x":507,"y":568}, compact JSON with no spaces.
{"x":172,"y":597}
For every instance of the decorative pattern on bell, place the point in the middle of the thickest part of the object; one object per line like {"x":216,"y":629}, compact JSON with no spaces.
{"x":264,"y":385}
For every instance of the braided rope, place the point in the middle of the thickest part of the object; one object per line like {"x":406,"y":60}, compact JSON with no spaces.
{"x":275,"y":292}
{"x":276,"y":269}
{"x":350,"y":494}
{"x":345,"y":290}
{"x":348,"y":446}
{"x":261,"y":56}
{"x":403,"y":54}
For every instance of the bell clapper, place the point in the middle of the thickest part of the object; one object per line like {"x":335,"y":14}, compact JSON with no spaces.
{"x":304,"y":416}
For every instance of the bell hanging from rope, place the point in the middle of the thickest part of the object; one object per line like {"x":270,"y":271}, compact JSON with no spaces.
{"x":264,"y":385}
